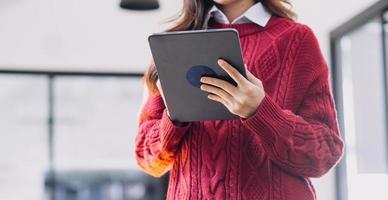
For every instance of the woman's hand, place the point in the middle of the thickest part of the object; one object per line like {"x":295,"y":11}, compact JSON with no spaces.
{"x":242,"y":100}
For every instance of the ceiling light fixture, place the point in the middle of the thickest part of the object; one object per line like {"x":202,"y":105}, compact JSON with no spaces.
{"x":139,"y":4}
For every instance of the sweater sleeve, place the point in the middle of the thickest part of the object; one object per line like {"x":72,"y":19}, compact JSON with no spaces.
{"x":158,"y":138}
{"x":306,"y":143}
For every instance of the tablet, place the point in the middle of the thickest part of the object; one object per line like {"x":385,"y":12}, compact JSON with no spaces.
{"x":182,"y":58}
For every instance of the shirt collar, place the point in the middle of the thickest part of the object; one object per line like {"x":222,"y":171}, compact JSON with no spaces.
{"x":256,"y":14}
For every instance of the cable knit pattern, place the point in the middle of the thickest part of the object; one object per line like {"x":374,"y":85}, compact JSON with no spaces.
{"x":292,"y":136}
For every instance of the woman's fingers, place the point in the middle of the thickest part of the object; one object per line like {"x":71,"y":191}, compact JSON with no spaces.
{"x":217,"y":98}
{"x":219,"y":92}
{"x":160,"y":90}
{"x":158,"y":84}
{"x":159,"y":87}
{"x":234,"y":73}
{"x":227,"y":105}
{"x":225,"y":85}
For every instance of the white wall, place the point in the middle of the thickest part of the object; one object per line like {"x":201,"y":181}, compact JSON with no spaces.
{"x":97,"y":35}
{"x":72,"y":34}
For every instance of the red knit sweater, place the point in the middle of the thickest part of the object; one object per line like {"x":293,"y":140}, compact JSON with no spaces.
{"x":292,"y":136}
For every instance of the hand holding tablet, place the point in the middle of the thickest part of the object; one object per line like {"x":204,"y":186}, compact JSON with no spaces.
{"x":182,"y":58}
{"x":242,"y":99}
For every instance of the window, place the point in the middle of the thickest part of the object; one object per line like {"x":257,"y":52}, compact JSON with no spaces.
{"x":23,"y":128}
{"x":71,"y":136}
{"x":360,"y":69}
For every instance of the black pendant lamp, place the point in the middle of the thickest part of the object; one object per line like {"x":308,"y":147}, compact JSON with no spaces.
{"x":139,"y":4}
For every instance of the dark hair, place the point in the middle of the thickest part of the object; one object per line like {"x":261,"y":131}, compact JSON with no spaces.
{"x":193,"y":16}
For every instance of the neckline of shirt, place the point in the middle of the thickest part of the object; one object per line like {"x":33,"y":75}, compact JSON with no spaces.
{"x":255,"y":14}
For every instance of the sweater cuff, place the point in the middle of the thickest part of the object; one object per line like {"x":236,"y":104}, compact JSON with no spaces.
{"x":269,"y":121}
{"x":171,"y":134}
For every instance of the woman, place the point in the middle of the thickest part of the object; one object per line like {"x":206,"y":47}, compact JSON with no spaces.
{"x":287,"y":131}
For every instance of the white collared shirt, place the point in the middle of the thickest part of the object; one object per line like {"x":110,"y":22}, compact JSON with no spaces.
{"x":256,"y":14}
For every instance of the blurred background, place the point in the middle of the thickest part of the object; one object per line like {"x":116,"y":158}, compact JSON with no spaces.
{"x":70,"y":91}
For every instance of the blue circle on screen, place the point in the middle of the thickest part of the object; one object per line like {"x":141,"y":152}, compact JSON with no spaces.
{"x":194,"y":74}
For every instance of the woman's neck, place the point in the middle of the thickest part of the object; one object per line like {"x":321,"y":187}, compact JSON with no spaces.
{"x":235,"y":9}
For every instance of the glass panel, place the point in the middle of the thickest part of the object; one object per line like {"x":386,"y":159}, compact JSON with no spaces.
{"x":364,"y":112}
{"x":96,"y":122}
{"x":385,"y":18}
{"x":364,"y":97}
{"x":23,"y":135}
{"x":61,"y":36}
{"x":95,"y":130}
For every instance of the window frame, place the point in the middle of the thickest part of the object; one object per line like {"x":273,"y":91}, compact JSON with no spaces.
{"x":377,"y":10}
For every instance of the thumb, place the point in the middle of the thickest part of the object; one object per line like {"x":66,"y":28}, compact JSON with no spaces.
{"x":158,"y":84}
